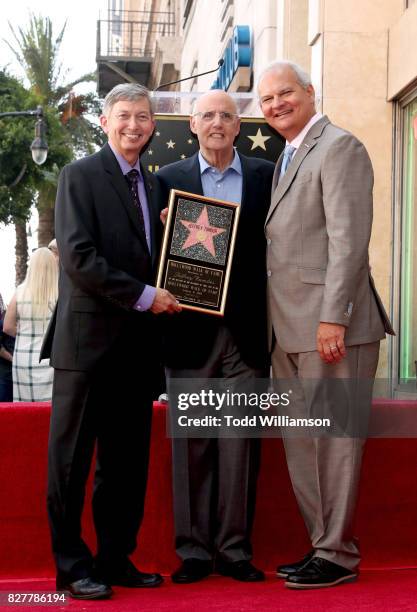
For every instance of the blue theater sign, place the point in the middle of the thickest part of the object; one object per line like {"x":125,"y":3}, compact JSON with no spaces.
{"x":236,"y":72}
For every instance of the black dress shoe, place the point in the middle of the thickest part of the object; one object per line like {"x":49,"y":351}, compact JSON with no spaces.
{"x":85,"y":588}
{"x":240,"y":570}
{"x":127,"y":575}
{"x":192,"y":570}
{"x":283,"y":571}
{"x":320,"y":573}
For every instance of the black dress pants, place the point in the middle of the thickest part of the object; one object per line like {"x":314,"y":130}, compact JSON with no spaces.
{"x":111,"y":408}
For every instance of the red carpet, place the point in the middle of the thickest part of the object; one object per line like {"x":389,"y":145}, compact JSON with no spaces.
{"x":376,"y":591}
{"x":386,"y":521}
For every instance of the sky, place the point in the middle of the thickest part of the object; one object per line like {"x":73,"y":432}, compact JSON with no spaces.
{"x":78,"y":51}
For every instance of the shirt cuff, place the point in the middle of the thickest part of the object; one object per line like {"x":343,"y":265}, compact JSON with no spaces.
{"x":146,"y":299}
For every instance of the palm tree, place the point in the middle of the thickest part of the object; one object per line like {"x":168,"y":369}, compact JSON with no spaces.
{"x":18,"y":174}
{"x":37,"y":52}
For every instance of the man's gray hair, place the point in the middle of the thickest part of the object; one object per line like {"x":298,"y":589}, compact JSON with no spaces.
{"x":126,"y":91}
{"x":302,"y":76}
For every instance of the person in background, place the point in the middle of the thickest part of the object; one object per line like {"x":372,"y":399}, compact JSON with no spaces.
{"x":6,"y":357}
{"x":53,"y":247}
{"x":27,"y":318}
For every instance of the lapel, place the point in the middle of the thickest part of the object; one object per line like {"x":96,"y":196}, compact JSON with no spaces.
{"x":277,"y":171}
{"x":249,"y":184}
{"x":280,"y":188}
{"x":154,"y":220}
{"x":119,"y":184}
{"x":190,"y":168}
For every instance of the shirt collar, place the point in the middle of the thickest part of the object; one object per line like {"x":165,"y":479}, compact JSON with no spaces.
{"x":236,"y":164}
{"x":300,"y":137}
{"x":125,"y":167}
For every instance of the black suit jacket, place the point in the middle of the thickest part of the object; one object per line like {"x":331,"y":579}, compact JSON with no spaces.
{"x":188,"y":337}
{"x":105,"y":263}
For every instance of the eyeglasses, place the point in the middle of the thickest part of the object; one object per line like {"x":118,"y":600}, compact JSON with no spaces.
{"x":208,"y":116}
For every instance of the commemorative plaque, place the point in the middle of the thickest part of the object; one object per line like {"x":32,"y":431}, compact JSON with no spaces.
{"x":197,"y":250}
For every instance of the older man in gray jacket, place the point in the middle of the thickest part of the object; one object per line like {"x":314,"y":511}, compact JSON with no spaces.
{"x":326,"y":318}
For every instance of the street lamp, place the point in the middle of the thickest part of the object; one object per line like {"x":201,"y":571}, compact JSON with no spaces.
{"x":39,"y":145}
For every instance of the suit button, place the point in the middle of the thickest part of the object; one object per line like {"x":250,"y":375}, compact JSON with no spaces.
{"x":269,"y":273}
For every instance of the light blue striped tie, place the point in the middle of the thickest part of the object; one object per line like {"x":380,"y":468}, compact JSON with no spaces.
{"x":288,"y":153}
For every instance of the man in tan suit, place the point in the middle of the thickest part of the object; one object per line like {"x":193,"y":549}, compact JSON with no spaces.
{"x":325,"y":318}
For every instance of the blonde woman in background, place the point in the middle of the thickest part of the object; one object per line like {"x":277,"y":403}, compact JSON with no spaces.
{"x":53,"y":247}
{"x":27,"y":318}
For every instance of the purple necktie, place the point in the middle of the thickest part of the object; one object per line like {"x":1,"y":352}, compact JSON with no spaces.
{"x":132,"y":178}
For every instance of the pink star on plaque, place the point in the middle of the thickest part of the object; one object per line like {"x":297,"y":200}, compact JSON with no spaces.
{"x":201,"y":232}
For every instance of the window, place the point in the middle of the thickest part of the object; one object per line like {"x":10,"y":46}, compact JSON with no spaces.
{"x":408,"y":283}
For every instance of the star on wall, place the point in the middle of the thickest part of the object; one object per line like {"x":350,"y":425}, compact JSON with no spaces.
{"x":190,"y":141}
{"x":157,"y":133}
{"x":170,"y":144}
{"x":258,"y":140}
{"x":183,"y":156}
{"x":150,"y":152}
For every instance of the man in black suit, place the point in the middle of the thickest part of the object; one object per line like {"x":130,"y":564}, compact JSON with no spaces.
{"x":104,"y":350}
{"x":215,"y":479}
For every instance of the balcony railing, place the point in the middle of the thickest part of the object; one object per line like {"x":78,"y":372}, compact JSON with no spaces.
{"x":132,"y":34}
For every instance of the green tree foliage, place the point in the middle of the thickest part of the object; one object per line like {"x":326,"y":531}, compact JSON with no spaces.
{"x":18,"y":174}
{"x":37,"y":52}
{"x":71,"y":131}
{"x":20,"y":179}
{"x":75,"y":113}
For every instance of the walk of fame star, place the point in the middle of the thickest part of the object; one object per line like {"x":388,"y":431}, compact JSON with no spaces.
{"x":201,"y":232}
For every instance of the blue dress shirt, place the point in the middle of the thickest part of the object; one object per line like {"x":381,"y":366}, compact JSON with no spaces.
{"x":226,"y":185}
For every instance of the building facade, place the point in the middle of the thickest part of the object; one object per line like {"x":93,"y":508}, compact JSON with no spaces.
{"x":364,"y":67}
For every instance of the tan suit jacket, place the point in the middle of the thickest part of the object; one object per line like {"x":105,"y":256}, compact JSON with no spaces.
{"x":318,"y":229}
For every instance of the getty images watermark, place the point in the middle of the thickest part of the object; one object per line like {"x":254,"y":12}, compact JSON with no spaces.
{"x":332,"y":407}
{"x":209,"y":399}
{"x":267,"y":408}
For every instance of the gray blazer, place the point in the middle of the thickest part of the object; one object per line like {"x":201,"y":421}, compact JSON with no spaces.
{"x":318,"y":229}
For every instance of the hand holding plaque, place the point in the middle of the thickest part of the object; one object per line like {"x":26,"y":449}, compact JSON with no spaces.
{"x":197,"y":251}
